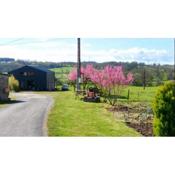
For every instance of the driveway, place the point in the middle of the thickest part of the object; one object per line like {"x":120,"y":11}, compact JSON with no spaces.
{"x":26,"y":115}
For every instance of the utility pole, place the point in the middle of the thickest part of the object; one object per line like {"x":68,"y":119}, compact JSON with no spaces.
{"x":78,"y":64}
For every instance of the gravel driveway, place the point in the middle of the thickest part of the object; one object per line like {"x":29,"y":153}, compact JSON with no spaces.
{"x":26,"y":116}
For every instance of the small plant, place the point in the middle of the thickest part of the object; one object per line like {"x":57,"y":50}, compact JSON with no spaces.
{"x":164,"y":111}
{"x":13,"y":84}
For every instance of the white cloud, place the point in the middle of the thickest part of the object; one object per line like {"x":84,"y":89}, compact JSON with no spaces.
{"x":141,"y":55}
{"x":131,"y":54}
{"x":48,"y":50}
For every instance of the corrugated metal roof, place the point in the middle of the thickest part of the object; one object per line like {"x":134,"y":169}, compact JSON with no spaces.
{"x":34,"y":67}
{"x":40,"y":68}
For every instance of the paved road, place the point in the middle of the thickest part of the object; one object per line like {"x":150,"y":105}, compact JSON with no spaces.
{"x":27,"y":116}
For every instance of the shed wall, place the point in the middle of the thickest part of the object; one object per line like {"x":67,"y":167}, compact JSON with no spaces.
{"x":4,"y":93}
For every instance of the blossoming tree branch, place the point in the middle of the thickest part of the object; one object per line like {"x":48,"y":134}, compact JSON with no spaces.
{"x":110,"y":81}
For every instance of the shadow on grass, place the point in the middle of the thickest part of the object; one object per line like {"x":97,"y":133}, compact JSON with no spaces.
{"x":122,"y":97}
{"x":11,"y":102}
{"x":118,"y":97}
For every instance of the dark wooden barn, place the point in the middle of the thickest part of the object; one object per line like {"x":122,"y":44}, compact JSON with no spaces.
{"x":34,"y":78}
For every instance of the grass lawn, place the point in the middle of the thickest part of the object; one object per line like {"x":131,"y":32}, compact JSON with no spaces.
{"x":138,"y":94}
{"x":73,"y":117}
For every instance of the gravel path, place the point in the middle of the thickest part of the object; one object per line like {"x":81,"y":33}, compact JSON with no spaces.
{"x":26,"y":116}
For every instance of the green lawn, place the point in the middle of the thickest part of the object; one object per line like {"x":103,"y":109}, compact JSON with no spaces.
{"x":73,"y":117}
{"x":138,"y":94}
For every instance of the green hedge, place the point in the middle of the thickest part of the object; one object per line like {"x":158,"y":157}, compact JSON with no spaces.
{"x":164,"y":110}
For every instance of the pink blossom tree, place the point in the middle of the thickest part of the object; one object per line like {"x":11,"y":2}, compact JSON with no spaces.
{"x":110,"y":80}
{"x":86,"y":73}
{"x":72,"y":77}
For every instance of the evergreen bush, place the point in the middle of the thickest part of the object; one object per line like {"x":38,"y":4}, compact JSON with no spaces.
{"x":164,"y":110}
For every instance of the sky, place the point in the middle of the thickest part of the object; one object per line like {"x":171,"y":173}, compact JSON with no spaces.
{"x":147,"y":50}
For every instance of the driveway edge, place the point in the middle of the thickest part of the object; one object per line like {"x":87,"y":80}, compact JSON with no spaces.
{"x":49,"y":107}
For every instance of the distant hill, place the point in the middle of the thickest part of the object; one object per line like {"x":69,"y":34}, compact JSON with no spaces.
{"x":6,"y":60}
{"x":155,"y":73}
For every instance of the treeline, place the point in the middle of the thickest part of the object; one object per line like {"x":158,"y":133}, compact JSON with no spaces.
{"x":150,"y":75}
{"x":6,"y":60}
{"x":144,"y":75}
{"x":6,"y":66}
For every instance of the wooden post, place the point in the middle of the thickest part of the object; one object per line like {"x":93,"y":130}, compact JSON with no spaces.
{"x":144,"y":78}
{"x":128,"y":94}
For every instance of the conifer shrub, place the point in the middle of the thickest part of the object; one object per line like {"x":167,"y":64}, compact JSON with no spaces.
{"x":13,"y":84}
{"x":164,"y":110}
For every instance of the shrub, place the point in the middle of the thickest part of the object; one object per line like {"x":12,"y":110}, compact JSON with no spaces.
{"x":13,"y":84}
{"x":164,"y":110}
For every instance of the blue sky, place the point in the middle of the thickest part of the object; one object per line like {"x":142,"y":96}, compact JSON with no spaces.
{"x":92,"y":49}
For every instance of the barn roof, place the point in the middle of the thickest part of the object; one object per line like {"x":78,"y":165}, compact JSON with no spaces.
{"x":34,"y":67}
{"x":40,"y":68}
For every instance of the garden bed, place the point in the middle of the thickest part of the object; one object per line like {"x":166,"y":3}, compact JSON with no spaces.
{"x":145,"y":128}
{"x":138,"y":116}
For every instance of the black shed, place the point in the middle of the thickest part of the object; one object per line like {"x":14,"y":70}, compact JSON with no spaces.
{"x":34,"y":78}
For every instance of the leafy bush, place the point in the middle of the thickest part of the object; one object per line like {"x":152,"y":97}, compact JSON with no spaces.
{"x":164,"y":110}
{"x":13,"y":84}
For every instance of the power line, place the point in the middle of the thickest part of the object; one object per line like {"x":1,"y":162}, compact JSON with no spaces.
{"x":11,"y":42}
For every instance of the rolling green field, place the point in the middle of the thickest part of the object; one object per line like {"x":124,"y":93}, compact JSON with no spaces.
{"x":138,"y":94}
{"x":62,"y":73}
{"x":73,"y":117}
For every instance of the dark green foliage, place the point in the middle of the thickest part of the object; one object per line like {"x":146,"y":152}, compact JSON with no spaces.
{"x":58,"y":82}
{"x":164,"y":110}
{"x":155,"y":74}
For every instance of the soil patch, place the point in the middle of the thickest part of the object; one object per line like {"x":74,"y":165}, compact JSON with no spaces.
{"x":138,"y":116}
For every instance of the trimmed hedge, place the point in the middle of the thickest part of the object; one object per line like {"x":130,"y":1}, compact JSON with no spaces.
{"x":164,"y":111}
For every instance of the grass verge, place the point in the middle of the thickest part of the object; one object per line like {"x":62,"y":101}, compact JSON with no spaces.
{"x":71,"y":117}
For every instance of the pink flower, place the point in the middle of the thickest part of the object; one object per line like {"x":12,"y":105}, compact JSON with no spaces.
{"x":109,"y":77}
{"x":73,"y":75}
